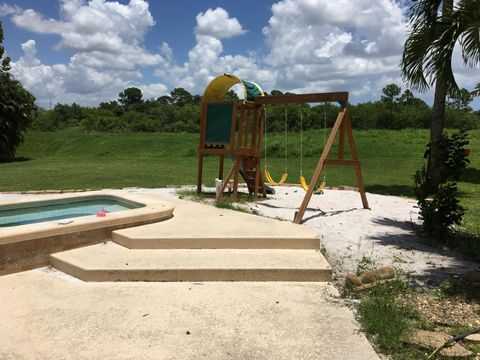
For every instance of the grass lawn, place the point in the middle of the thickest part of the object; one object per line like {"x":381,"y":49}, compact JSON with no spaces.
{"x":70,"y":159}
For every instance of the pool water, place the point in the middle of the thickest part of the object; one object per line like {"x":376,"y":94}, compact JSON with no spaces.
{"x":61,"y":209}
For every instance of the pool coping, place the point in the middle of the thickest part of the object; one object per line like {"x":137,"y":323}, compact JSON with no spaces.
{"x":155,"y":209}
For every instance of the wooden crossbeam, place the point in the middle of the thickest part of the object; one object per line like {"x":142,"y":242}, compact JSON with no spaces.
{"x":340,"y":97}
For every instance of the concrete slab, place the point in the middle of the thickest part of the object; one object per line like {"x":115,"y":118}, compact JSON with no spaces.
{"x":112,"y":262}
{"x":45,"y":316}
{"x":198,"y":226}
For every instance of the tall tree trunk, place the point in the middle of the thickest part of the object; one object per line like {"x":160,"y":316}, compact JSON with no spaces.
{"x":435,"y":160}
{"x":436,"y":132}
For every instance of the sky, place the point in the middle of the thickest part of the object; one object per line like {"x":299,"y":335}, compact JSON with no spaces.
{"x":87,"y":52}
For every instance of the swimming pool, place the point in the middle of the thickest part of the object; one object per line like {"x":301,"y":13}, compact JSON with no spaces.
{"x":32,"y":227}
{"x":32,"y":213}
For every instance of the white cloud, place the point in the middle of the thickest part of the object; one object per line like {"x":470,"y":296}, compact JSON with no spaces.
{"x":106,"y":38}
{"x":63,"y":83}
{"x":317,"y":41}
{"x":218,"y":24}
{"x":8,"y":9}
{"x":311,"y":46}
{"x":206,"y":59}
{"x":153,"y":90}
{"x":103,"y":34}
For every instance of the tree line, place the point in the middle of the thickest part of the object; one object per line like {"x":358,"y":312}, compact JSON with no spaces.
{"x":180,"y":112}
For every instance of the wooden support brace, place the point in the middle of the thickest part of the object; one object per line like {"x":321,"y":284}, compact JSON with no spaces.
{"x":225,"y":182}
{"x":358,"y":171}
{"x":320,"y":165}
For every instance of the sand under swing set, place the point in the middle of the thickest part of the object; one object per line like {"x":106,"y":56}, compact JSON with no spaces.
{"x":236,"y":129}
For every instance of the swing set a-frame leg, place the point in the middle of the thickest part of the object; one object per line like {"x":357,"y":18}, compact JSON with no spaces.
{"x":342,"y":123}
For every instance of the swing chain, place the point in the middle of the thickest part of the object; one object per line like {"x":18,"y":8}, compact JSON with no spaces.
{"x":285,"y":139}
{"x":301,"y":143}
{"x":265,"y":139}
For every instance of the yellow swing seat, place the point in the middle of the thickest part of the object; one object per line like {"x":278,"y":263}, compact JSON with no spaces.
{"x":270,"y":181}
{"x":304,"y":185}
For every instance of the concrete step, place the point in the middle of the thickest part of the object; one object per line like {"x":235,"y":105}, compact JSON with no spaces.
{"x":153,"y":240}
{"x":198,"y":226}
{"x":112,"y":262}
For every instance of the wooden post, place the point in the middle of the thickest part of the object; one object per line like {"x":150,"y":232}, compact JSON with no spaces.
{"x":201,"y":147}
{"x":220,"y":167}
{"x":199,"y":172}
{"x":236,"y":172}
{"x":257,"y":178}
{"x":358,"y":171}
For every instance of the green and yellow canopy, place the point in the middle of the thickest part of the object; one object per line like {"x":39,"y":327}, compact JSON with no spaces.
{"x":219,"y":87}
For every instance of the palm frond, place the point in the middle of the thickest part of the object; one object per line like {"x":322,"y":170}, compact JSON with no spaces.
{"x":427,"y":54}
{"x":425,"y":11}
{"x":467,"y":18}
{"x":428,"y":51}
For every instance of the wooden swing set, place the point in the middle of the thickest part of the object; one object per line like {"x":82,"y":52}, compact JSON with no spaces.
{"x":236,"y":129}
{"x":341,"y":127}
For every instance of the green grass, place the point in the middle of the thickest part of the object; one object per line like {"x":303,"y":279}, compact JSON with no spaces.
{"x":70,"y":159}
{"x":385,"y":317}
{"x":224,"y":203}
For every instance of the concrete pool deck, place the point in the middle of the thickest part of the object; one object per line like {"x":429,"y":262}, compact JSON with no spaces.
{"x":47,"y":314}
{"x":202,"y":243}
{"x":197,"y":226}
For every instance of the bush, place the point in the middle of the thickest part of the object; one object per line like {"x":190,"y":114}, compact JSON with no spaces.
{"x":441,"y":211}
{"x":439,"y":208}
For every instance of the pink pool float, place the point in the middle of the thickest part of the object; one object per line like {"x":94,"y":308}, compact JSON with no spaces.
{"x":101,"y":213}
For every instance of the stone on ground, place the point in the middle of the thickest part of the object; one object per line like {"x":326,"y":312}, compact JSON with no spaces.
{"x":433,"y":340}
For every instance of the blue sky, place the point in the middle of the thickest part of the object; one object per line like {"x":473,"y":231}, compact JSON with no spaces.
{"x":88,"y":51}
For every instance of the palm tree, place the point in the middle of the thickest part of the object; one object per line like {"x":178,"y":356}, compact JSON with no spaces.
{"x":476,"y":91}
{"x":436,"y":27}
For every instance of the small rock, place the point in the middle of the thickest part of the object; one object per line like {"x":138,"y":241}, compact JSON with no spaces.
{"x":352,"y":280}
{"x":433,"y":340}
{"x":382,"y":273}
{"x":473,"y":337}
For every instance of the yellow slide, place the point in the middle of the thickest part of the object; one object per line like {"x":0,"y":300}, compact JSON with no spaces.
{"x":270,"y":181}
{"x":304,"y":185}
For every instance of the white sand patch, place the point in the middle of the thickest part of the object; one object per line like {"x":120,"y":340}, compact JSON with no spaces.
{"x":387,"y":233}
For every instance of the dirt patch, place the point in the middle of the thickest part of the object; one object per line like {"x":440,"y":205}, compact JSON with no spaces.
{"x":453,"y":311}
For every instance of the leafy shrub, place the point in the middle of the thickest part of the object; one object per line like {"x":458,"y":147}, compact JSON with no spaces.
{"x":442,"y":210}
{"x":439,"y":208}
